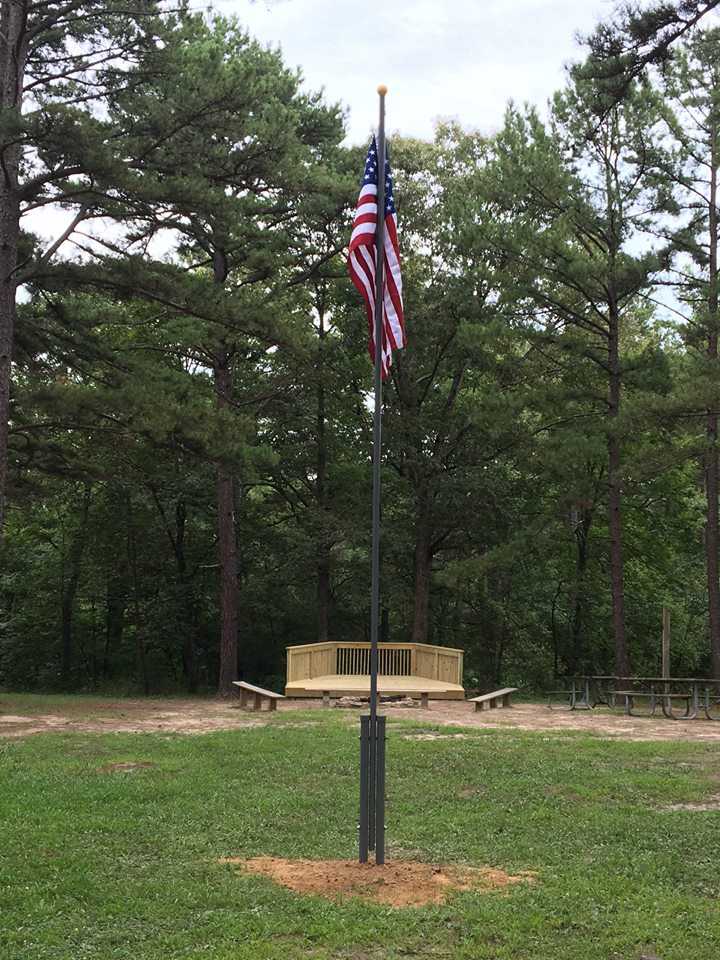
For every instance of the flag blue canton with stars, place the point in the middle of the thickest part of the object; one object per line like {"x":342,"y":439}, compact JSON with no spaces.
{"x":371,"y":167}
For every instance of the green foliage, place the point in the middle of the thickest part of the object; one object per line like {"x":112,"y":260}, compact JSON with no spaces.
{"x":204,"y":320}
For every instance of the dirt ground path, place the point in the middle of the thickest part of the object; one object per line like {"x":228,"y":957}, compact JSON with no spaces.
{"x":20,"y":716}
{"x":601,"y":722}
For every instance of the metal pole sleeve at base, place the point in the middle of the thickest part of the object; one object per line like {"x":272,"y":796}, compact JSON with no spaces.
{"x":380,"y":792}
{"x":364,"y":787}
{"x":372,"y":777}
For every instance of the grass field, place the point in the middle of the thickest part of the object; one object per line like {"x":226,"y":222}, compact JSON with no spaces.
{"x":100,"y":862}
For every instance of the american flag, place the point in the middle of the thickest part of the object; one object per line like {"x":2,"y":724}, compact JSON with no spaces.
{"x":362,"y":259}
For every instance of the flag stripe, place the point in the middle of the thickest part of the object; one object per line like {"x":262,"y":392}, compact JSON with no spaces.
{"x":362,"y":260}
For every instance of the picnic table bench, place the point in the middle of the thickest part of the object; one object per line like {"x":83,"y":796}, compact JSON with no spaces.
{"x":577,"y":695}
{"x":493,"y":699}
{"x":259,"y":696}
{"x":657,"y":699}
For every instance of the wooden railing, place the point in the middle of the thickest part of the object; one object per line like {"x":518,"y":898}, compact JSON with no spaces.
{"x":394,"y":659}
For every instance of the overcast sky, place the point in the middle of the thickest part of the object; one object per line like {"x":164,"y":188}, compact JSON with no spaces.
{"x":439,"y":58}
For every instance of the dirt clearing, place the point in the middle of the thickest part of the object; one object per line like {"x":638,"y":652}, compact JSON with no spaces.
{"x":21,"y":716}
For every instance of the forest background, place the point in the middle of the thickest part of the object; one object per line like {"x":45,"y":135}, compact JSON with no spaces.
{"x":185,"y":427}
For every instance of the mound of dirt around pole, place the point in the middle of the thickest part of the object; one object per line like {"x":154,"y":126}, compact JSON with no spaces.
{"x":400,"y":883}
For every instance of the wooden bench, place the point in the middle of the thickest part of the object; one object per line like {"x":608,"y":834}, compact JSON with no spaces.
{"x":493,"y":699}
{"x":259,"y":695}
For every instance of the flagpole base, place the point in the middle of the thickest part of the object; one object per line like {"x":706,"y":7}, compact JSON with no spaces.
{"x":372,"y":788}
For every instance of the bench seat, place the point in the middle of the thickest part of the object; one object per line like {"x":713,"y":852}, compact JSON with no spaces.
{"x":561,"y":696}
{"x":657,"y":699}
{"x":259,"y":696}
{"x":493,"y":699}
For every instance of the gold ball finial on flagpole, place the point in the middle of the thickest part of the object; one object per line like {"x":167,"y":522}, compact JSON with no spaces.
{"x":382,"y":89}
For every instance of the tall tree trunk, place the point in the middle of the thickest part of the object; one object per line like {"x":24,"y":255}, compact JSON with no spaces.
{"x":582,"y":532}
{"x":190,"y":660}
{"x":622,"y":662}
{"x":323,"y":591}
{"x":553,"y":631}
{"x":322,"y":547}
{"x":712,"y":532}
{"x":501,"y":642}
{"x":227,"y":545}
{"x":384,"y":625}
{"x":421,"y":574}
{"x":13,"y":56}
{"x":67,"y":601}
{"x":176,"y":536}
{"x":711,"y":525}
{"x":227,"y":541}
{"x":139,"y":638}
{"x":116,"y":601}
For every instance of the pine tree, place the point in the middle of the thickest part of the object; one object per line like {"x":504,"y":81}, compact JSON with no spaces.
{"x":691,"y":164}
{"x":227,"y":159}
{"x":570,"y":202}
{"x":58,"y":61}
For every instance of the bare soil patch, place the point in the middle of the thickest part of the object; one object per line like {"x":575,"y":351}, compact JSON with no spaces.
{"x":129,"y":766}
{"x":435,"y":736}
{"x":196,"y":716}
{"x":156,"y":715}
{"x":12,"y":725}
{"x":536,"y":717}
{"x":401,"y":883}
{"x":713,"y":803}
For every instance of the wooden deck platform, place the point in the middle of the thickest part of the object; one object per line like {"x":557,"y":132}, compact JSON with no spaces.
{"x":358,"y":685}
{"x":342,"y":669}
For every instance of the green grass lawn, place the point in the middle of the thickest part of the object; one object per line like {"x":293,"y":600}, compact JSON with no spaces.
{"x":98,"y":864}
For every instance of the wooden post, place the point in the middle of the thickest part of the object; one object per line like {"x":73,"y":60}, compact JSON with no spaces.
{"x":666,"y":644}
{"x":666,"y":648}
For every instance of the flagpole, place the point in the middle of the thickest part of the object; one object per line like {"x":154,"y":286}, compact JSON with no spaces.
{"x":377,"y":445}
{"x":374,"y":257}
{"x":375,"y":838}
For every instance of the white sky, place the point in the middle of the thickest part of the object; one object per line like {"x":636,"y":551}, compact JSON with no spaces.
{"x":439,"y":58}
